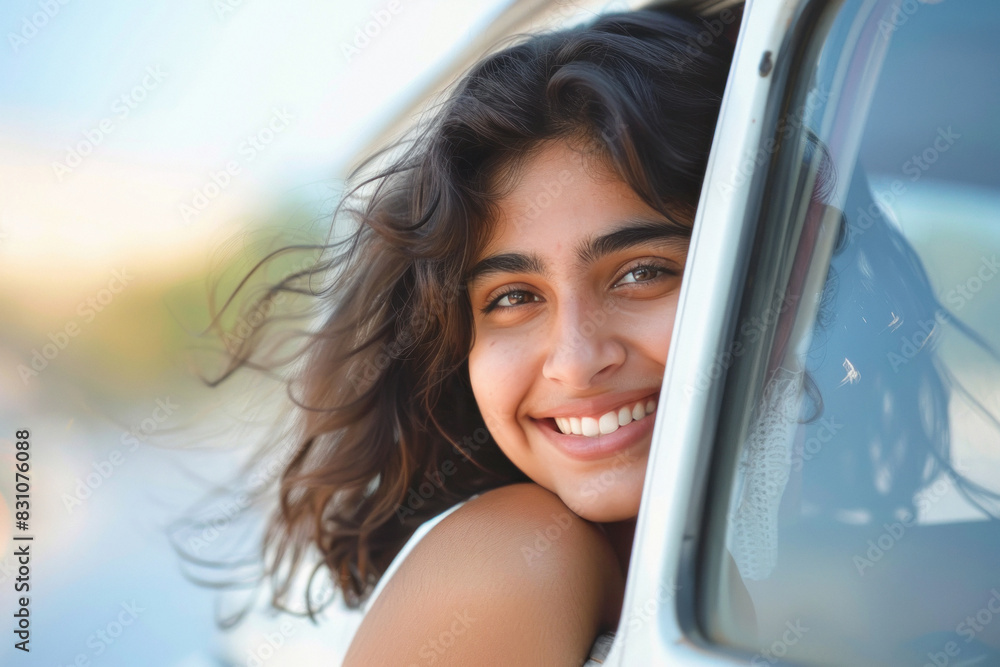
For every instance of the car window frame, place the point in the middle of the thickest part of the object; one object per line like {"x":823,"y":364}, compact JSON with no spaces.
{"x":658,"y":622}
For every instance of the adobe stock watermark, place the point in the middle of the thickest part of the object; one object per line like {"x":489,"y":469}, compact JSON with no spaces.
{"x":244,"y":327}
{"x":227,"y":510}
{"x":594,"y":320}
{"x":965,"y":292}
{"x":273,"y":641}
{"x":121,"y":108}
{"x":590,"y":491}
{"x":915,"y":168}
{"x":87,"y":310}
{"x":976,"y":623}
{"x":750,"y":332}
{"x":435,"y":480}
{"x":914,"y":344}
{"x":958,"y":297}
{"x":665,"y":592}
{"x":901,"y":13}
{"x":31,"y":24}
{"x":101,"y":640}
{"x":715,"y":28}
{"x":779,"y":648}
{"x":106,"y":467}
{"x":364,"y":34}
{"x":254,"y":144}
{"x":791,"y":122}
{"x":435,"y":647}
{"x":969,"y":628}
{"x":828,"y":427}
{"x":366,"y":371}
{"x":894,"y":532}
{"x":546,"y":537}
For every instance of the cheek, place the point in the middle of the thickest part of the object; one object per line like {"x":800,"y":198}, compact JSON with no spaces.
{"x":500,"y":376}
{"x":666,"y":331}
{"x":651,"y":330}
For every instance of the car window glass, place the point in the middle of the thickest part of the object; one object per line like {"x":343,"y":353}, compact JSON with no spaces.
{"x":856,"y":488}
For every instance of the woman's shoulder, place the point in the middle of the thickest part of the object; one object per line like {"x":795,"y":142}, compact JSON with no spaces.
{"x":511,"y":573}
{"x":522,"y":530}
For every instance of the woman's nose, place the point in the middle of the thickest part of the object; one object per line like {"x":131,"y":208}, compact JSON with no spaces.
{"x":583,"y":347}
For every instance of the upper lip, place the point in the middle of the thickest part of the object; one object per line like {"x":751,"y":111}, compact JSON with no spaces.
{"x":598,"y":405}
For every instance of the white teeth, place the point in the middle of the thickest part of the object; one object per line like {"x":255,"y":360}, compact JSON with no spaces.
{"x":607,"y":423}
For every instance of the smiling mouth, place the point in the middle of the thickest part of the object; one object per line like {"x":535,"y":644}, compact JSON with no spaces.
{"x":609,"y":422}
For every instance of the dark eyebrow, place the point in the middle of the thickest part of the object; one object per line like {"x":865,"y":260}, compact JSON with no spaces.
{"x":511,"y":262}
{"x":630,"y":234}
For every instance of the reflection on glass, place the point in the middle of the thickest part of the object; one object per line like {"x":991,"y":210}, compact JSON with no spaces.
{"x":862,"y":495}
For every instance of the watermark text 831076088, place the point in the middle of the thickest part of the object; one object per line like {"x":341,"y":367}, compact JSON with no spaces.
{"x":22,"y":550}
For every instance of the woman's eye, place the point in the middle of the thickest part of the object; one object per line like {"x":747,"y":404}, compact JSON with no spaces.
{"x":510,"y":299}
{"x":642,"y":274}
{"x":513,"y":299}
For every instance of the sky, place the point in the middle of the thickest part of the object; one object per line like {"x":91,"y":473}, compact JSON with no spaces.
{"x":115,"y":116}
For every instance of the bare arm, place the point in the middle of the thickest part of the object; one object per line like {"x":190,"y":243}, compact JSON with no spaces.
{"x":511,"y":577}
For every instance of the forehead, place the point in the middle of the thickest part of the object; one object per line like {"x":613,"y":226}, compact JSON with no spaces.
{"x":559,"y":195}
{"x":541,"y":178}
{"x":567,"y":212}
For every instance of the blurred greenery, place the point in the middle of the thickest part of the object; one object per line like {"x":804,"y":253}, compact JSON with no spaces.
{"x":154,"y":337}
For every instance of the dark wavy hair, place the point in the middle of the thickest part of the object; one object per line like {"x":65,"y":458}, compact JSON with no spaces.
{"x":388,"y":431}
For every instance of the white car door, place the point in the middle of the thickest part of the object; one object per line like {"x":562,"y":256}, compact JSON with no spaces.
{"x":829,"y":429}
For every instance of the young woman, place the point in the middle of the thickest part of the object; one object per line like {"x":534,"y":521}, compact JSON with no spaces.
{"x":496,"y":335}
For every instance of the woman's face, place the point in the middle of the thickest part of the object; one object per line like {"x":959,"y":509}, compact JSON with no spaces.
{"x":574,"y":301}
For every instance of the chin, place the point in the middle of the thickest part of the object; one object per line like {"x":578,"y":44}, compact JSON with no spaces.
{"x":603,"y":499}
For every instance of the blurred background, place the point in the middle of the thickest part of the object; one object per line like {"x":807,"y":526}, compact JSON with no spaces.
{"x":150,"y":154}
